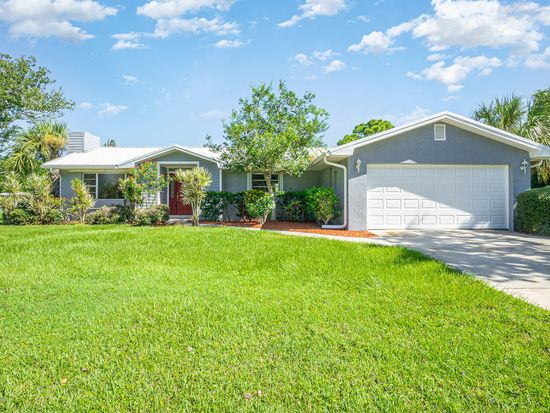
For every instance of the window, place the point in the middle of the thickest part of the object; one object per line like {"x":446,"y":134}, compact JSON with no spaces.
{"x":107,"y":186}
{"x":257,"y":182}
{"x":439,"y":132}
{"x":91,"y":182}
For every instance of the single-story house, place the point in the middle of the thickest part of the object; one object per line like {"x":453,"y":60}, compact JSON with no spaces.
{"x":442,"y":172}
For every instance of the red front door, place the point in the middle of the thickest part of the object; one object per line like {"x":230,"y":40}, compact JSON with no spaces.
{"x":176,"y":204}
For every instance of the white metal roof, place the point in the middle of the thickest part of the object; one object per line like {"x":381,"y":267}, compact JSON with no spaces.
{"x":102,"y":157}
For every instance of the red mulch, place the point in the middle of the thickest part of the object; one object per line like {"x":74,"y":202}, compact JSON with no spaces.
{"x":307,"y":227}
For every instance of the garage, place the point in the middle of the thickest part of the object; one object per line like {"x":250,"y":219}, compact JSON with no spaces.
{"x":437,"y":196}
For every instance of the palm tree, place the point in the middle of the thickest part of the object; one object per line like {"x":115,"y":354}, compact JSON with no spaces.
{"x":193,"y":188}
{"x":528,"y":118}
{"x":41,"y":143}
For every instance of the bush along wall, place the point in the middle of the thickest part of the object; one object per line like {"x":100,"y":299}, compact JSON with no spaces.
{"x":532,"y":214}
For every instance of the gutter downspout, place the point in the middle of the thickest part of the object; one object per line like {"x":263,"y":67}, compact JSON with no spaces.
{"x":345,"y":169}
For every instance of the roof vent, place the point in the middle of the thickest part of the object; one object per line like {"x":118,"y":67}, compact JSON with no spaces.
{"x":82,"y":142}
{"x":439,"y":132}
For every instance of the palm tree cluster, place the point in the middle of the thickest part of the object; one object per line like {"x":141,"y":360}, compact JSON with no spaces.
{"x":527,"y":117}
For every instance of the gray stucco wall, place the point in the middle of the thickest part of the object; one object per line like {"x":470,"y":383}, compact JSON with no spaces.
{"x":65,"y":190}
{"x":418,"y":146}
{"x":234,"y":182}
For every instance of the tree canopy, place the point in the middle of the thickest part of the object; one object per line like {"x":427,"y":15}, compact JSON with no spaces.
{"x":366,"y":129}
{"x":272,"y":131}
{"x":527,"y":117}
{"x":27,"y":94}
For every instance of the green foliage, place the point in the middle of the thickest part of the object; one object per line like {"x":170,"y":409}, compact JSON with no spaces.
{"x":258,"y":204}
{"x":215,"y":205}
{"x":238,"y":202}
{"x":291,"y":206}
{"x":532,"y":214}
{"x":366,"y":129}
{"x":271,"y":132}
{"x":110,"y":143}
{"x":40,"y":200}
{"x":40,"y":143}
{"x":19,"y":216}
{"x":117,"y":214}
{"x":322,"y":204}
{"x":529,"y":118}
{"x":26,"y":95}
{"x":193,"y":188}
{"x":142,"y":181}
{"x":82,"y":200}
{"x":14,"y":189}
{"x":154,"y":215}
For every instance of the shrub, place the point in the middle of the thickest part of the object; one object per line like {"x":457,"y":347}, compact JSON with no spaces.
{"x":258,"y":204}
{"x":238,"y":202}
{"x":40,"y":201}
{"x":193,"y":189}
{"x":20,"y":216}
{"x":532,"y":213}
{"x":82,"y":200}
{"x":155,"y":215}
{"x":321,"y":203}
{"x":117,"y":214}
{"x":215,"y":205}
{"x":291,"y":206}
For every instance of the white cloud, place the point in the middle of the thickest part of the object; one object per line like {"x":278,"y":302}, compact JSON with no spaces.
{"x":108,"y":109}
{"x":334,"y":66}
{"x":302,"y":59}
{"x":52,"y":18}
{"x":402,"y":119}
{"x":311,"y":77}
{"x":539,"y":61}
{"x":167,"y":9}
{"x":85,"y":106}
{"x":453,"y":75}
{"x":325,"y":55}
{"x":127,"y":41}
{"x":215,"y":114}
{"x":313,"y":8}
{"x":228,"y":44}
{"x":130,"y":80}
{"x":374,"y":42}
{"x":217,"y":26}
{"x":437,"y":56}
{"x":364,"y":19}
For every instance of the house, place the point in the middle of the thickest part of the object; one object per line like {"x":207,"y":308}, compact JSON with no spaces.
{"x":444,"y":171}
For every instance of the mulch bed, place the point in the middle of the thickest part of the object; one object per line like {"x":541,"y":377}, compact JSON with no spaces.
{"x":306,"y":227}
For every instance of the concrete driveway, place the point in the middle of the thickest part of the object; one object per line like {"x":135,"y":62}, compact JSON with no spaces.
{"x":516,"y":263}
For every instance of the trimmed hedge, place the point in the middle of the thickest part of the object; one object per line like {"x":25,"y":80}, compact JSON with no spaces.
{"x":117,"y":214}
{"x":532,"y":213}
{"x":155,"y":215}
{"x":215,"y":206}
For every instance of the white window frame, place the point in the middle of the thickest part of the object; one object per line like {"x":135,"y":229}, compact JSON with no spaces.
{"x":169,"y":165}
{"x":440,"y":126}
{"x":249,"y":180}
{"x":95,"y":185}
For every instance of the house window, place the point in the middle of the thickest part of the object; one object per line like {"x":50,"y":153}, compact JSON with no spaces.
{"x":108,"y":186}
{"x":257,"y":181}
{"x":91,"y":182}
{"x":439,"y":132}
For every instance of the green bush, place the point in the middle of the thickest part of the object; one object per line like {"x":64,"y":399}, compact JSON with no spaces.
{"x":532,"y":213}
{"x":258,"y":204}
{"x":20,"y":216}
{"x":215,"y":206}
{"x":155,"y":215}
{"x":321,"y":203}
{"x":238,"y":202}
{"x":291,"y":206}
{"x":117,"y":214}
{"x":55,"y":216}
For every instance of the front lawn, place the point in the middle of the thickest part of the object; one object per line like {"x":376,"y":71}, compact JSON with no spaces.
{"x":115,"y":318}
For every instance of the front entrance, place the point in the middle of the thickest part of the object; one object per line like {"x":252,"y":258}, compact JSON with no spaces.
{"x":177,"y":207}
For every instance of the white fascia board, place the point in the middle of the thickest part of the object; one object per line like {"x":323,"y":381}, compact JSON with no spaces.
{"x":164,"y":151}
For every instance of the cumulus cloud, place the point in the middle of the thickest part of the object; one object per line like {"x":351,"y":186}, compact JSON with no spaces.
{"x":374,"y":42}
{"x":127,"y":41}
{"x":313,"y":8}
{"x":228,"y":44}
{"x":539,"y":61}
{"x":197,"y":25}
{"x":167,"y":9}
{"x":108,"y":109}
{"x":301,"y":59}
{"x":403,"y":118}
{"x":453,"y":74}
{"x":130,"y":80}
{"x":52,"y":18}
{"x":325,"y":55}
{"x":334,"y":66}
{"x":85,"y":106}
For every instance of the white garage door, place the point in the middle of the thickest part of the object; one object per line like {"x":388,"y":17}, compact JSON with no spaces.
{"x":429,"y":196}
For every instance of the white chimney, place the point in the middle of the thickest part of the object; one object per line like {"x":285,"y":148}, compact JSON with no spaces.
{"x":82,"y":142}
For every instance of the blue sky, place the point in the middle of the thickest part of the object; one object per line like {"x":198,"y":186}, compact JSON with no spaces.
{"x":150,"y":73}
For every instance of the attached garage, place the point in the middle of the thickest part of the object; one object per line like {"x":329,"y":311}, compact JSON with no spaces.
{"x":437,"y":196}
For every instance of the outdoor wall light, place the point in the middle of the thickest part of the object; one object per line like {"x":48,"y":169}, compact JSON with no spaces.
{"x":358,"y":165}
{"x":524,"y":165}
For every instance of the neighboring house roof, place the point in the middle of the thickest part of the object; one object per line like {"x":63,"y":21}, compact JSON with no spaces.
{"x":536,"y":150}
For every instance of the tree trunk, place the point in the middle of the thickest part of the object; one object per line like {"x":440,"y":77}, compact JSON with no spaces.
{"x":267,"y":179}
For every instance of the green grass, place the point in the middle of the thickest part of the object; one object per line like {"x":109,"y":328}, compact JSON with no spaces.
{"x":316,"y":325}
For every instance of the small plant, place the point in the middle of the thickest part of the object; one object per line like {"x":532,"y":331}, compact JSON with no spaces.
{"x":215,"y":205}
{"x":15,"y":195}
{"x":82,"y":201}
{"x":532,"y":213}
{"x":291,"y":206}
{"x":40,"y":200}
{"x":19,"y":216}
{"x":193,"y":188}
{"x":155,"y":215}
{"x":258,"y":204}
{"x":141,"y":184}
{"x":322,"y":204}
{"x":238,"y":202}
{"x":117,"y":214}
